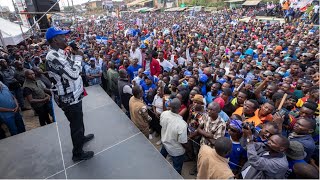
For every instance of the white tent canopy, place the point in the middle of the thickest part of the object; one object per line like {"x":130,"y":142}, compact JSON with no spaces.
{"x":11,"y":32}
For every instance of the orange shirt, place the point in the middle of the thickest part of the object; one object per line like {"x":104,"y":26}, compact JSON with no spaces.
{"x":269,"y":117}
{"x":285,"y":5}
{"x":254,"y":118}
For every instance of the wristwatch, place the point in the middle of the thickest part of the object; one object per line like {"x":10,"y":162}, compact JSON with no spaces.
{"x":249,"y":140}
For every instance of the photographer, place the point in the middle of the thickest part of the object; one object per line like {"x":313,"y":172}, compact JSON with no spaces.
{"x":261,"y":133}
{"x":265,"y":161}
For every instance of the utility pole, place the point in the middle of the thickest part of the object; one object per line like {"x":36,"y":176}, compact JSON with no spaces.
{"x":16,"y":11}
{"x":74,"y":14}
{"x":1,"y":12}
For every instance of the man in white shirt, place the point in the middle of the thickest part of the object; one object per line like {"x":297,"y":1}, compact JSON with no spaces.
{"x":138,"y":78}
{"x":165,"y":64}
{"x":136,"y":53}
{"x":174,"y":135}
{"x":177,"y":60}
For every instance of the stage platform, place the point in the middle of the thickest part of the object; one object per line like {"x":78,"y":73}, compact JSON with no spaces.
{"x":121,"y":150}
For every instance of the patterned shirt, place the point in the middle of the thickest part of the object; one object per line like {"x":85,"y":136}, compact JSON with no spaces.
{"x":64,"y":72}
{"x":94,"y":71}
{"x":216,"y":127}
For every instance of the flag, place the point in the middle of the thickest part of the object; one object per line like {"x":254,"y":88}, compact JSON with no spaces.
{"x":101,"y":39}
{"x":145,"y":39}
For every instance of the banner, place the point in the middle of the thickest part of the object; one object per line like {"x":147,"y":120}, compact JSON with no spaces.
{"x":101,"y":39}
{"x":120,"y":25}
{"x":146,"y":39}
{"x":139,"y":22}
{"x":22,"y":8}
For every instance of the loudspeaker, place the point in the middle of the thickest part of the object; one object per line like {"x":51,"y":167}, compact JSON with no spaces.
{"x":43,"y":23}
{"x":42,"y":5}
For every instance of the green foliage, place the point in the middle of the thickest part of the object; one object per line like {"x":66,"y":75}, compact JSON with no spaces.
{"x":68,"y":8}
{"x":206,"y":3}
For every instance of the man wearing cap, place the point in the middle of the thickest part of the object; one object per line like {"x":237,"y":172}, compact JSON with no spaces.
{"x":64,"y":66}
{"x":148,"y":89}
{"x":295,"y":154}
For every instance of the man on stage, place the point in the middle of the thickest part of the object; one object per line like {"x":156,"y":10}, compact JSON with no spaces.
{"x":64,"y":66}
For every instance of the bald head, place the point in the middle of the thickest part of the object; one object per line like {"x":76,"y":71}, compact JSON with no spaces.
{"x":223,"y":146}
{"x":137,"y":91}
{"x":215,"y":106}
{"x":175,"y":105}
{"x":29,"y":74}
{"x":123,"y":73}
{"x":305,"y":171}
{"x":213,"y":110}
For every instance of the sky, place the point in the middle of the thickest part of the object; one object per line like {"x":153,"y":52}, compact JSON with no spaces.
{"x":62,"y":3}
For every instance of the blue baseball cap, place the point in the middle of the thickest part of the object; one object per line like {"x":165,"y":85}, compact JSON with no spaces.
{"x":146,"y":73}
{"x":203,"y":78}
{"x":54,"y":31}
{"x":187,"y":73}
{"x":237,"y":53}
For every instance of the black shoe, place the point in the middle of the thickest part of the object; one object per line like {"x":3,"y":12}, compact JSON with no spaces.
{"x":193,"y":171}
{"x":85,"y":155}
{"x":88,"y":138}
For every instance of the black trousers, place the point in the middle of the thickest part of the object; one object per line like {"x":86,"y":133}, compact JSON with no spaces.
{"x":74,"y":115}
{"x":155,"y":122}
{"x":43,"y":113}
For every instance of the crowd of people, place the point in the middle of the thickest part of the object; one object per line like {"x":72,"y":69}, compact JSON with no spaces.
{"x":292,"y":12}
{"x":241,"y":99}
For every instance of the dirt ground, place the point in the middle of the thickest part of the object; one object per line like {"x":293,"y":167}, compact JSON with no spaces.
{"x":187,"y":166}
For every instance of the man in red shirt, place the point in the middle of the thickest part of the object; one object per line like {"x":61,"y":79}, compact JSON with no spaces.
{"x":151,"y":64}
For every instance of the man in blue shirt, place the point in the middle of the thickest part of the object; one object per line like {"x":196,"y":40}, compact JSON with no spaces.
{"x":94,"y":73}
{"x":133,"y":69}
{"x":302,"y":131}
{"x":148,"y":89}
{"x":238,"y":155}
{"x":215,"y":91}
{"x":9,"y":111}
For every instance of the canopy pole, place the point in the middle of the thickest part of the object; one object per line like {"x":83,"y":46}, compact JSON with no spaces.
{"x":2,"y":41}
{"x":22,"y":33}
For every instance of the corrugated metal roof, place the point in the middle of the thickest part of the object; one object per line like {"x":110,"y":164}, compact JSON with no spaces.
{"x":251,"y":3}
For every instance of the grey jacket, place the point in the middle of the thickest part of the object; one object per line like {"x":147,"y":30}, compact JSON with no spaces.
{"x":262,"y":165}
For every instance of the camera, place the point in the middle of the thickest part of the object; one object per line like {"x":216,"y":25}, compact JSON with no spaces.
{"x":282,"y":112}
{"x":249,"y":126}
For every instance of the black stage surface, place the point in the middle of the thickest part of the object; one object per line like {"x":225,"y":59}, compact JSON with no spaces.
{"x":121,"y":150}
